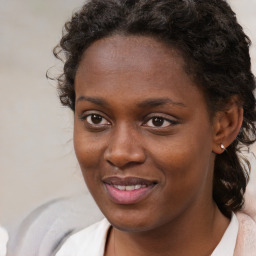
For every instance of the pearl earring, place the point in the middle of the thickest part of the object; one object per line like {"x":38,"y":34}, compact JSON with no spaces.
{"x":222,"y":147}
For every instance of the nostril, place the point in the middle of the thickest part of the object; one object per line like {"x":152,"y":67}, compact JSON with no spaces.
{"x":122,"y":166}
{"x":114,"y":166}
{"x":122,"y":152}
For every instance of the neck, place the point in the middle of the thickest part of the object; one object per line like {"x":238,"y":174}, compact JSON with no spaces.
{"x":200,"y":233}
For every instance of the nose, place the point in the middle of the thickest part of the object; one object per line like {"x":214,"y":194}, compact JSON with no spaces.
{"x":124,"y":147}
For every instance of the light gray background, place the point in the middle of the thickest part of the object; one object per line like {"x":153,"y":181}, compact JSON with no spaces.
{"x":37,"y":161}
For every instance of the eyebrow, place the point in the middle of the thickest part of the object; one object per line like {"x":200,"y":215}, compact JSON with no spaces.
{"x":159,"y":102}
{"x":96,"y":101}
{"x":154,"y":102}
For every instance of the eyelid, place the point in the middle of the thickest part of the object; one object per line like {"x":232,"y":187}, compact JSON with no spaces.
{"x":166,"y":117}
{"x":101,"y":124}
{"x":86,"y":113}
{"x":83,"y":116}
{"x":172,"y":121}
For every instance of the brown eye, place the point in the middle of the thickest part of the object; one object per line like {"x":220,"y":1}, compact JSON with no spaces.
{"x":95,"y":119}
{"x":157,"y":121}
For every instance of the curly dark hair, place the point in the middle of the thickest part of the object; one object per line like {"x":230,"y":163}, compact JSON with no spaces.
{"x":216,"y":53}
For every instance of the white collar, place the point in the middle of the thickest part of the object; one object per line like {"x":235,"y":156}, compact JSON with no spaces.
{"x":91,"y":241}
{"x":227,"y":243}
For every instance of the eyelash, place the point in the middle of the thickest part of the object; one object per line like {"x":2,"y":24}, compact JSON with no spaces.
{"x":161,"y":118}
{"x":166,"y":122}
{"x":85,"y":117}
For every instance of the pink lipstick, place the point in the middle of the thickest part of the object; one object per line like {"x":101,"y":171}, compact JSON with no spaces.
{"x":128,"y":190}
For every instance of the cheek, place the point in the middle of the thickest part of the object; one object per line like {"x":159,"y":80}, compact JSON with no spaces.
{"x":88,"y":155}
{"x":88,"y":149}
{"x":185,"y":160}
{"x":183,"y":168}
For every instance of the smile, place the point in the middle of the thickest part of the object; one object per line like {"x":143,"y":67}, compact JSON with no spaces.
{"x":129,"y":190}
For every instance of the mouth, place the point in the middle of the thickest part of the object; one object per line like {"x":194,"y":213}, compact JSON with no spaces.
{"x":128,"y":190}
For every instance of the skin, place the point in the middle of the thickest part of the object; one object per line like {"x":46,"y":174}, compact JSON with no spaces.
{"x":117,"y":79}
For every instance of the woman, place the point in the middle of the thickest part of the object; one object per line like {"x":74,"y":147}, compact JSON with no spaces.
{"x":162,"y":95}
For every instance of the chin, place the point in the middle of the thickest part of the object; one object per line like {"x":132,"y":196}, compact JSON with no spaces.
{"x":129,"y":221}
{"x":131,"y":227}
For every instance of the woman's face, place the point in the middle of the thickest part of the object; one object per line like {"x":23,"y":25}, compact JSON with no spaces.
{"x":142,"y":133}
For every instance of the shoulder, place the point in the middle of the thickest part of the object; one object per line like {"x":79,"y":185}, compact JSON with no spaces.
{"x":3,"y":241}
{"x":246,"y":239}
{"x":90,"y":240}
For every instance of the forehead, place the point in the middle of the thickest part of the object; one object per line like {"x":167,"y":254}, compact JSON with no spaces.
{"x":135,"y":68}
{"x":137,"y":53}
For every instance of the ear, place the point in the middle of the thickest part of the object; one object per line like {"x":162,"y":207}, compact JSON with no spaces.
{"x":226,"y":125}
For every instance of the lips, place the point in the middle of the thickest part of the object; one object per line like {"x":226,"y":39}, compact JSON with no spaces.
{"x":128,"y":190}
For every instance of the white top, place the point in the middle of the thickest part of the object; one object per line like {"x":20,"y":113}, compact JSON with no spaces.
{"x":227,"y":244}
{"x":3,"y":241}
{"x":91,"y":241}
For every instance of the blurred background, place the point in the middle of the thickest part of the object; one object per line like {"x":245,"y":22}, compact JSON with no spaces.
{"x":37,"y":161}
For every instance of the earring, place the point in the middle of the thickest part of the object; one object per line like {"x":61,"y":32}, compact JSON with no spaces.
{"x":222,"y":146}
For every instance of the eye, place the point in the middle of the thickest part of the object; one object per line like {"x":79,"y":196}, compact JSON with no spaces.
{"x":95,"y":119}
{"x":158,"y":121}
